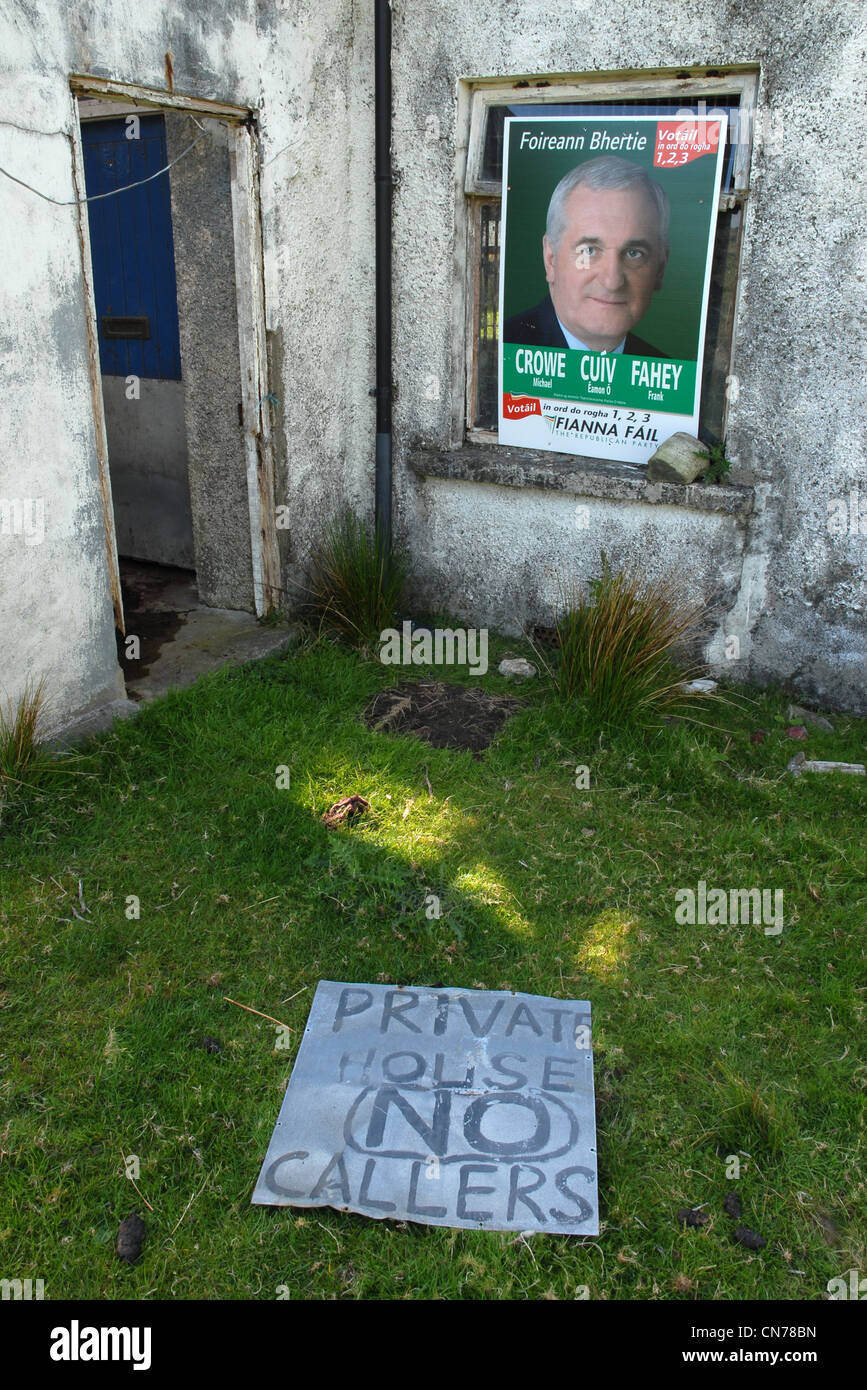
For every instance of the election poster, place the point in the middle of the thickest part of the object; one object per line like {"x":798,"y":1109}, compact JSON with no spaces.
{"x":607,"y":241}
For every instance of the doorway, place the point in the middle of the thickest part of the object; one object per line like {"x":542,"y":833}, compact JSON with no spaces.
{"x":172,"y":264}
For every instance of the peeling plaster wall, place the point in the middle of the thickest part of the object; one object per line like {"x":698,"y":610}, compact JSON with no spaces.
{"x":798,"y":598}
{"x":531,"y":545}
{"x":318,"y":231}
{"x":55,"y":610}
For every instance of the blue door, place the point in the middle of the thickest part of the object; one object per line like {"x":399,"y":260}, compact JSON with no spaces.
{"x":132,"y":249}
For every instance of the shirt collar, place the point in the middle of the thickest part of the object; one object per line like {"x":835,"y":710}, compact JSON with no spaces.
{"x":573,"y":342}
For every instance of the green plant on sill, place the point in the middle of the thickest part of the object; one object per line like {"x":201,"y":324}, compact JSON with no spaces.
{"x":718,"y":464}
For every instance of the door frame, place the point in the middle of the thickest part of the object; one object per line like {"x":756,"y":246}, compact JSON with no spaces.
{"x":250,"y":303}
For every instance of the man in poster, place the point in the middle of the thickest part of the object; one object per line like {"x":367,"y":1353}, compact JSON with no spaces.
{"x":605,"y":252}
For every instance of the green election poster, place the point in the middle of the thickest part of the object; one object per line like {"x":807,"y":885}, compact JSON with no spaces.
{"x":607,"y":241}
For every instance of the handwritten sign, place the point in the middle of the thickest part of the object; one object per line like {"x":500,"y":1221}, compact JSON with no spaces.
{"x":451,"y":1107}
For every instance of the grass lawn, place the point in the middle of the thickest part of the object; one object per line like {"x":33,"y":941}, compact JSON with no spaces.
{"x":709,"y":1041}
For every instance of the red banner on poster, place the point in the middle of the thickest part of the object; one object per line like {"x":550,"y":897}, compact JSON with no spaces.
{"x":679,"y":142}
{"x":517,"y":407}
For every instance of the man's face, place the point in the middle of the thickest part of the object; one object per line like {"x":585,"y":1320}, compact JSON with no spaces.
{"x":607,"y":265}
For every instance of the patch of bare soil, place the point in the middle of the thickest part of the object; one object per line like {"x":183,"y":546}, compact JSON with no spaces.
{"x":446,"y":716}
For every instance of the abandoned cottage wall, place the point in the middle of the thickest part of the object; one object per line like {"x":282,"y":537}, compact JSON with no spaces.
{"x":297,"y":69}
{"x":490,"y":541}
{"x":792,"y":592}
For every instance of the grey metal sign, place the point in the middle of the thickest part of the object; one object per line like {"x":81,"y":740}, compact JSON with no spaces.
{"x":451,"y":1107}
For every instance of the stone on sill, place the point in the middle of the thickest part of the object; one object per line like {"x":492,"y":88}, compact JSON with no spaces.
{"x":675,"y":461}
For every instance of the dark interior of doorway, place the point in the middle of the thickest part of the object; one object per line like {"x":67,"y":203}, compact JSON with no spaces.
{"x":155,"y":600}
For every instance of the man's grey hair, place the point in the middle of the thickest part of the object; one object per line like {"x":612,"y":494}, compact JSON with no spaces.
{"x":612,"y":173}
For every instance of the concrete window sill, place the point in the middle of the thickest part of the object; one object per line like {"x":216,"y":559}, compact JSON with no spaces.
{"x":578,"y":476}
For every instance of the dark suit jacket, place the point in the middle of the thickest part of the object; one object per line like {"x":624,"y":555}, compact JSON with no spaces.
{"x":539,"y":328}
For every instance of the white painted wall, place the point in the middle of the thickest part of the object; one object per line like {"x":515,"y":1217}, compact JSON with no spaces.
{"x":55,"y":611}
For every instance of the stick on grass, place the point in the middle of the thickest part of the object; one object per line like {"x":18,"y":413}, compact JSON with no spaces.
{"x":269,"y":1017}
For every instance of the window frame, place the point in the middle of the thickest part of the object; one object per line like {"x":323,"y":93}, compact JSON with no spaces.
{"x":537,"y":91}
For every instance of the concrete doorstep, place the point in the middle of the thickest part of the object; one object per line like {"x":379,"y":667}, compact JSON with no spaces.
{"x":198,"y":640}
{"x":207,"y":639}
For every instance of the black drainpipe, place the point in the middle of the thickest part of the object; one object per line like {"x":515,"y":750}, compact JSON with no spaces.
{"x":384,"y":182}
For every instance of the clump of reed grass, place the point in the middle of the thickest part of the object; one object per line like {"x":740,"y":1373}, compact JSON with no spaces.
{"x":618,"y":644}
{"x":20,"y":754}
{"x":356,"y":580}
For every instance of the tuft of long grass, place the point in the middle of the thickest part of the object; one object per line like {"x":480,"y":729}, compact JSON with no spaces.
{"x":26,"y":765}
{"x":750,"y":1117}
{"x":20,"y":756}
{"x":356,"y":580}
{"x":617,"y":645}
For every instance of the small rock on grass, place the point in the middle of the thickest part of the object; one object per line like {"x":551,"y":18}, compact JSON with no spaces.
{"x":800,"y":763}
{"x":516,"y":666}
{"x":751,"y":1239}
{"x":796,"y":731}
{"x":692,"y":1216}
{"x":820,"y":765}
{"x":733,"y":1206}
{"x":130,"y":1238}
{"x":808,"y":716}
